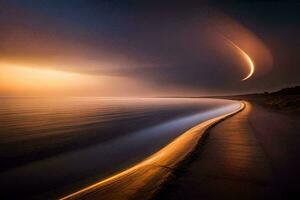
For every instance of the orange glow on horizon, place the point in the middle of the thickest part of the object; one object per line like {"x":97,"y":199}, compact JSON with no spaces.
{"x":41,"y":80}
{"x":36,"y":80}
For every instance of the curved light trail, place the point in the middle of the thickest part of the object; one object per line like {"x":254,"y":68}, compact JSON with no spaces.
{"x":152,"y":171}
{"x":247,"y":57}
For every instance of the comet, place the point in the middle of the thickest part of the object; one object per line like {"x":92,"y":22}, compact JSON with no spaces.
{"x":246,"y":57}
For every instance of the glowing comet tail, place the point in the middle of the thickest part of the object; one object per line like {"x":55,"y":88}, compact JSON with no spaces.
{"x":248,"y":59}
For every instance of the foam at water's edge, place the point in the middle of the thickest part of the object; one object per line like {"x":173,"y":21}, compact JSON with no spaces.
{"x":152,"y":169}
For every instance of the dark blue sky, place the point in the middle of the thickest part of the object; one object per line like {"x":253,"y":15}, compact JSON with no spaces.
{"x":163,"y":43}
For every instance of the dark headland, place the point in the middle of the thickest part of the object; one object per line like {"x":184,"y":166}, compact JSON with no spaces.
{"x":285,"y":100}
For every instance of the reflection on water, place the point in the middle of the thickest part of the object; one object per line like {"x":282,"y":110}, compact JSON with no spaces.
{"x":78,"y":140}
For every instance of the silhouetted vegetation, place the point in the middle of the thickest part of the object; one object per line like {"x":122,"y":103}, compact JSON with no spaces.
{"x":286,"y":99}
{"x":288,"y":91}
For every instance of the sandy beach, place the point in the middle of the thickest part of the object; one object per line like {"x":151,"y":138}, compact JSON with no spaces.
{"x":252,"y":155}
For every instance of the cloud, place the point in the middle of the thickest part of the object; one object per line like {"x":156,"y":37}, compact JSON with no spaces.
{"x":160,"y":46}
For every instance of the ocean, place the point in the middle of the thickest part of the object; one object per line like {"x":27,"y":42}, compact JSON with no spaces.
{"x":53,"y":146}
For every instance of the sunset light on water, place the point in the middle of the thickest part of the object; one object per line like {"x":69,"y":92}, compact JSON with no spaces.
{"x":149,"y":100}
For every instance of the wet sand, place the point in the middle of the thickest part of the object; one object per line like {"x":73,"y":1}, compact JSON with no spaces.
{"x":143,"y":179}
{"x":252,"y":155}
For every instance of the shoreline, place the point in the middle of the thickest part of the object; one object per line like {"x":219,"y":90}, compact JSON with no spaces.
{"x":193,"y":155}
{"x":146,"y":178}
{"x":261,"y":166}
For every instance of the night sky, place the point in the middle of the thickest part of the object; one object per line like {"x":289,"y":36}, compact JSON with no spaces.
{"x":155,"y":48}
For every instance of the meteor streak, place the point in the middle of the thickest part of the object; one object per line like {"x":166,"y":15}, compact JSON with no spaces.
{"x":248,"y":59}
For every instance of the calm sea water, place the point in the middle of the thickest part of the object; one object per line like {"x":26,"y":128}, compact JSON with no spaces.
{"x":52,"y":146}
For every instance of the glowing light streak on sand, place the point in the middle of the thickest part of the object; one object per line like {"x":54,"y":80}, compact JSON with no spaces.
{"x":149,"y":170}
